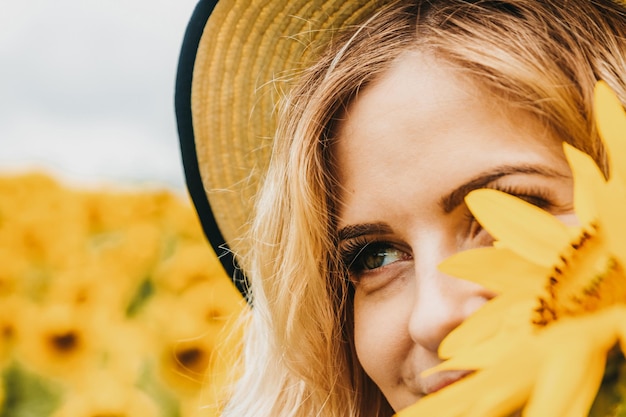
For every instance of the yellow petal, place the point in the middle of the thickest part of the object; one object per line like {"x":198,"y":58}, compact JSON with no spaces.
{"x":450,"y":402}
{"x":495,"y":397}
{"x":504,"y":399}
{"x":526,"y":229}
{"x":611,"y":123}
{"x":619,"y":314}
{"x":480,"y":356}
{"x":506,"y":313}
{"x":446,"y":407}
{"x":576,"y":375}
{"x":567,"y":384}
{"x":498,"y":269}
{"x":611,"y":203}
{"x":583,"y":341}
{"x":588,"y":389}
{"x":587,"y":178}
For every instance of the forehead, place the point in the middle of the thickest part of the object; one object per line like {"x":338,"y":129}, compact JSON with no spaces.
{"x":422,"y":129}
{"x":410,"y":107}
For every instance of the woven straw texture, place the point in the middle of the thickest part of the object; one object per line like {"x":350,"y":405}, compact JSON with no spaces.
{"x":250,"y":54}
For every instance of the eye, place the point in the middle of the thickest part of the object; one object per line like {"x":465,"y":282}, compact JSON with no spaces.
{"x":477,"y":235}
{"x":474,"y":227}
{"x":361,"y":256}
{"x":376,"y":256}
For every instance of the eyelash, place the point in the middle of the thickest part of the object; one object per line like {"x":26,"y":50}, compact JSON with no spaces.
{"x":352,"y":252}
{"x":536,"y":196}
{"x":351,"y":249}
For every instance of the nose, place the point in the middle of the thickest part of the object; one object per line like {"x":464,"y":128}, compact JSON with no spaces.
{"x":441,"y":303}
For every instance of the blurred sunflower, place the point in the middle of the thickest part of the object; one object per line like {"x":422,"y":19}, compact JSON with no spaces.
{"x":189,"y":330}
{"x":43,"y":222}
{"x":11,"y":311}
{"x":542,"y":344}
{"x":58,"y":340}
{"x":107,"y":394}
{"x":13,"y":269}
{"x":85,"y":330}
{"x":192,"y":263}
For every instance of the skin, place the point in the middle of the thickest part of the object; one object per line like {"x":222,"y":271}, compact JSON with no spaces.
{"x":410,"y":147}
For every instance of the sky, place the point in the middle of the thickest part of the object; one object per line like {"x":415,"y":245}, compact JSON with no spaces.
{"x":87,"y":89}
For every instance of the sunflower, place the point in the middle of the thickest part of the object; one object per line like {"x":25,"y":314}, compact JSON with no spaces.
{"x":193,"y":262}
{"x":106,"y":393}
{"x":57,"y":340}
{"x":189,"y":330}
{"x":541,"y":346}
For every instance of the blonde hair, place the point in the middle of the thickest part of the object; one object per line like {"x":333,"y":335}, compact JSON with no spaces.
{"x":539,"y":56}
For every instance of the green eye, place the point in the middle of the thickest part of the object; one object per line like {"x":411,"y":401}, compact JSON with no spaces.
{"x":377,"y":256}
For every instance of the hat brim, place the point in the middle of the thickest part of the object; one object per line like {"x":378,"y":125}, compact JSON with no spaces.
{"x":238,"y":59}
{"x":182,"y":101}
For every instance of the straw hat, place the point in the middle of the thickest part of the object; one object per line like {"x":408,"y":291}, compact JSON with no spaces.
{"x":238,"y":59}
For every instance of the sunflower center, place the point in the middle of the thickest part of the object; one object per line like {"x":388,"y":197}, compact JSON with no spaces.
{"x":65,"y":342}
{"x":192,"y":358}
{"x":587,"y":278}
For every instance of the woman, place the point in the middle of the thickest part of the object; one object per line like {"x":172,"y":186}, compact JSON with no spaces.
{"x":397,"y":120}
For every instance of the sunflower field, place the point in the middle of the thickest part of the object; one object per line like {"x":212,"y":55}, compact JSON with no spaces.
{"x":112,"y":303}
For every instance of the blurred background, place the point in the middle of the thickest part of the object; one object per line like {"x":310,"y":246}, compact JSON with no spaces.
{"x":87,"y":87}
{"x":111,"y":300}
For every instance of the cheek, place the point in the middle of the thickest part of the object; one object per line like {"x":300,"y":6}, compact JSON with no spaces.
{"x":381,"y":338}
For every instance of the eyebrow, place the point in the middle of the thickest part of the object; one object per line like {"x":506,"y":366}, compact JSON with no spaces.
{"x":452,"y":200}
{"x":457,"y":196}
{"x":355,"y":230}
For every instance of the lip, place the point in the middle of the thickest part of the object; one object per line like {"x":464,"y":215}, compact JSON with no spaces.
{"x":442,"y":380}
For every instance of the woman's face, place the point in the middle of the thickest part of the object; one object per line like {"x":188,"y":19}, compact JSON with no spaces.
{"x":411,"y":146}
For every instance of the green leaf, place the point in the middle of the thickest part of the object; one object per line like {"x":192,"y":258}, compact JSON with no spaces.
{"x":144,"y":291}
{"x":167,"y":401}
{"x":28,"y":394}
